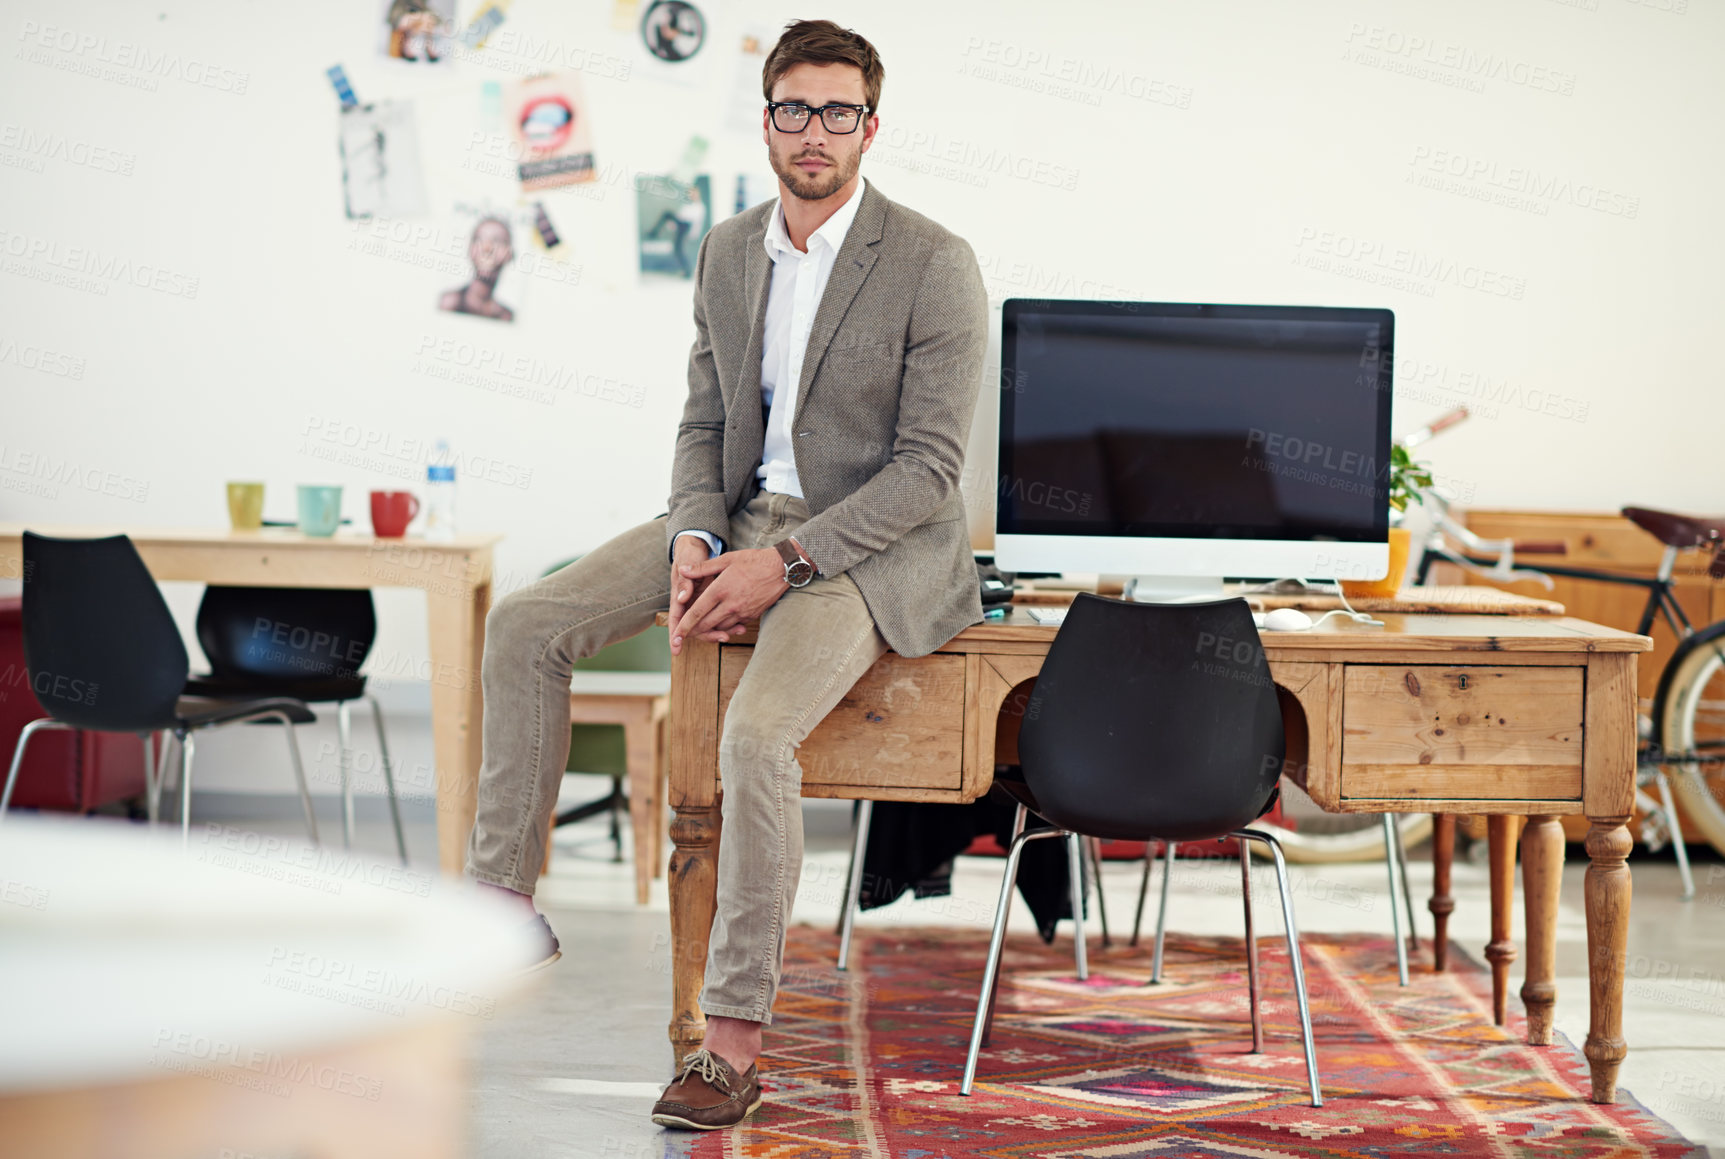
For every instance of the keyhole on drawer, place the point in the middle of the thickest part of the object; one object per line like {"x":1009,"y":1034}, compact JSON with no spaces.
{"x":1464,"y":682}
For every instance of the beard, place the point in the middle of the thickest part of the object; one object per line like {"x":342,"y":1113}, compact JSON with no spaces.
{"x":814,"y":186}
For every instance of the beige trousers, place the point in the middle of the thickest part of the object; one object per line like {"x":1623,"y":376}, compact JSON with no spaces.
{"x":814,"y":644}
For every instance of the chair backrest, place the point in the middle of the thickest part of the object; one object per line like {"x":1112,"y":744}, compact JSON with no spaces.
{"x":100,"y":643}
{"x":650,"y":651}
{"x":270,"y":634}
{"x":1153,"y":720}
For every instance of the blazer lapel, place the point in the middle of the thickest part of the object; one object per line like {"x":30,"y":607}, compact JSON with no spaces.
{"x":757,"y":280}
{"x":851,"y":266}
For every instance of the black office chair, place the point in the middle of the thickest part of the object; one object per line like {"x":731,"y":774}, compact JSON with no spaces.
{"x":1150,"y":721}
{"x":104,"y":654}
{"x":304,"y":643}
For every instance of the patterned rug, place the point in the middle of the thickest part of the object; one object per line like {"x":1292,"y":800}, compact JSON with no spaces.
{"x":868,"y":1063}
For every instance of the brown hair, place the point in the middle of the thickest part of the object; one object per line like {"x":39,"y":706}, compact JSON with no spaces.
{"x":823,"y":42}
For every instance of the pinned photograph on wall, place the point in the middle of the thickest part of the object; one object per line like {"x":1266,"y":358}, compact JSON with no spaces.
{"x":747,"y":104}
{"x":418,"y":30}
{"x":754,"y":188}
{"x":484,"y":23}
{"x":673,"y":217}
{"x":494,"y":283}
{"x":673,"y":30}
{"x":547,"y":117}
{"x":543,"y":229}
{"x":380,"y":169}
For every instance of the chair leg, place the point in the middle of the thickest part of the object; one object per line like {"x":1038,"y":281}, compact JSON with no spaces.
{"x":344,"y":733}
{"x":388,"y":776}
{"x":1019,"y":818}
{"x":187,"y":744}
{"x":1094,"y":844}
{"x":617,"y":802}
{"x":1298,"y":967}
{"x":1162,"y":912}
{"x":1251,"y":947}
{"x":299,"y":778}
{"x":1407,"y":892}
{"x":853,"y":881}
{"x":153,"y":788}
{"x":1075,"y":872}
{"x":1677,"y":845}
{"x":996,"y":942}
{"x":1143,"y":890}
{"x":30,"y":730}
{"x":1391,"y":849}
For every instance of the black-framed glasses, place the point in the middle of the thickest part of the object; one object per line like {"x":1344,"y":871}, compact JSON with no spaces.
{"x":791,"y":117}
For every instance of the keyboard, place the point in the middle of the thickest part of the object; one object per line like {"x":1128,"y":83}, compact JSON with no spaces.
{"x":1054,"y":616}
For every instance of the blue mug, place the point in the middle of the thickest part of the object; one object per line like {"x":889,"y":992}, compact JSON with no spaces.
{"x":319,"y":509}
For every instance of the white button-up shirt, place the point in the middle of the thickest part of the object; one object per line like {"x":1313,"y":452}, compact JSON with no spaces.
{"x":799,"y":281}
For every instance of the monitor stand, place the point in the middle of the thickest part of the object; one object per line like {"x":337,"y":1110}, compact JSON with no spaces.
{"x":1174,"y":589}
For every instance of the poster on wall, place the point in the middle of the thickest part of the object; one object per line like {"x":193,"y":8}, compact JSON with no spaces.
{"x":417,"y":30}
{"x":672,"y":218}
{"x":673,"y":36}
{"x":747,"y":102}
{"x":754,"y":188}
{"x":380,"y":169}
{"x":548,"y":122}
{"x":494,"y":282}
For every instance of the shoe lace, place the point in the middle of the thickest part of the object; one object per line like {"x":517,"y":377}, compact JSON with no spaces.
{"x":707,"y":1065}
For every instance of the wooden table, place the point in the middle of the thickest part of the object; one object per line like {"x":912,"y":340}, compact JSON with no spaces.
{"x":456,"y":579}
{"x":1476,"y":714}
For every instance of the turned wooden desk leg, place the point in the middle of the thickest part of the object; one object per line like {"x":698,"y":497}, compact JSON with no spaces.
{"x":1608,"y":843}
{"x":695,"y":836}
{"x":695,"y":832}
{"x":1608,"y":799}
{"x":457,"y":625}
{"x":1541,"y":882}
{"x":641,"y":746}
{"x":1441,"y":904}
{"x":1500,"y":951}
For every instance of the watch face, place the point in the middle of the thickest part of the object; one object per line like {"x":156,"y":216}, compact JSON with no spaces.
{"x":799,"y":573}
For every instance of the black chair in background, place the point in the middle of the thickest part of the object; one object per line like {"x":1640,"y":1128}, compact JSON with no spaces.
{"x":303,"y":643}
{"x":104,"y":654}
{"x":1146,"y":724}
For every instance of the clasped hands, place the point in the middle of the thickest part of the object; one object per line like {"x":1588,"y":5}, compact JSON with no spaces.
{"x":712,"y":599}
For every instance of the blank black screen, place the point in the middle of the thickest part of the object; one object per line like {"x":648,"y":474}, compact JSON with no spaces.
{"x":1194,"y":421}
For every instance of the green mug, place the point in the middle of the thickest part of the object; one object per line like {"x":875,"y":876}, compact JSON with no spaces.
{"x":246,"y":506}
{"x":319,"y":509}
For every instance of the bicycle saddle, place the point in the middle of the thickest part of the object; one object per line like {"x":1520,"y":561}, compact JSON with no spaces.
{"x":1675,"y":530}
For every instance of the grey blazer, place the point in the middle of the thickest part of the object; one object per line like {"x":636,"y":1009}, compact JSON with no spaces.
{"x":884,"y":405}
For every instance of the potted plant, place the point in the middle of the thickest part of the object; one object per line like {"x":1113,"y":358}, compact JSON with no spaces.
{"x":1408,"y":481}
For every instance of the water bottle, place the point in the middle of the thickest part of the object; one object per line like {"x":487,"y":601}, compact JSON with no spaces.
{"x":440,"y":494}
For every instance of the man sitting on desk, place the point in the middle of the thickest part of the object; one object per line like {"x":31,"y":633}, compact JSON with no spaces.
{"x":839,"y":342}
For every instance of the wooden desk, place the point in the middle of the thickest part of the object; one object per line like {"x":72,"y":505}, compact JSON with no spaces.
{"x":456,"y":579}
{"x":1513,"y":716}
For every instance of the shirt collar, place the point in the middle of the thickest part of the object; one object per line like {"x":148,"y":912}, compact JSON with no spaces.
{"x":831,"y":232}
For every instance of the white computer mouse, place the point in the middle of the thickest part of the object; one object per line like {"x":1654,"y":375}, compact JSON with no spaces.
{"x":1287,"y":620}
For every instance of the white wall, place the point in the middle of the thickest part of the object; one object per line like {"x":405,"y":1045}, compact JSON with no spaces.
{"x":1222,"y":151}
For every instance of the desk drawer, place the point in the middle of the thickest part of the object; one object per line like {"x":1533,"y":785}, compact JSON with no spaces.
{"x":1462,"y":732}
{"x":901,"y":726}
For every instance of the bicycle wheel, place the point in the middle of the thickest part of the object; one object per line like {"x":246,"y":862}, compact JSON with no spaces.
{"x":1693,"y":721}
{"x":1309,"y":834}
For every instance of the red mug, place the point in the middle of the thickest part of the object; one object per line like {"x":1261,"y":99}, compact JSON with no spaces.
{"x":391,"y":512}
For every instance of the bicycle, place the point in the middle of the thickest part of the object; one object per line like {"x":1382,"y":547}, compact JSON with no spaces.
{"x":1682,"y":737}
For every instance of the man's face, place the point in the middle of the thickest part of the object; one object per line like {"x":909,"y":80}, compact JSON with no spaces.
{"x":814,"y":163}
{"x":490,"y":250}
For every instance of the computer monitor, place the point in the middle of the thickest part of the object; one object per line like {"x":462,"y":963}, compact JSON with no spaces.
{"x":1182,"y":443}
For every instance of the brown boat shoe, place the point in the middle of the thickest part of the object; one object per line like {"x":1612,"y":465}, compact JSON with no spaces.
{"x":708,"y":1095}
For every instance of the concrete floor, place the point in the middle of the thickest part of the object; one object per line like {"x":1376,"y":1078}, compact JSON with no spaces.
{"x":571,"y":1068}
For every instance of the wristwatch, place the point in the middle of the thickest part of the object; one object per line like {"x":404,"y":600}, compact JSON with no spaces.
{"x":798,"y":569}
